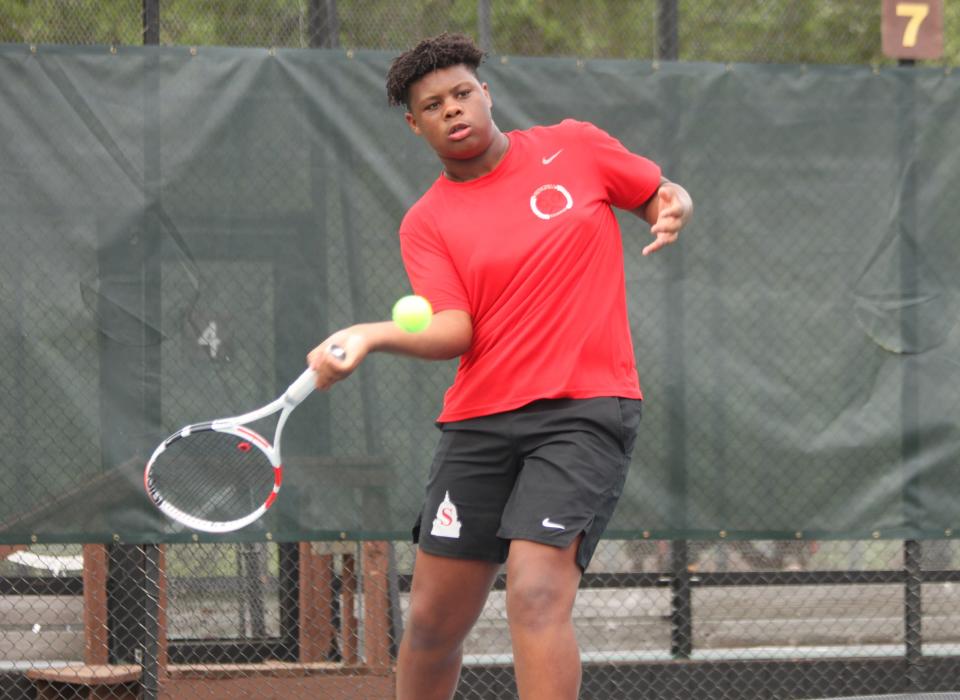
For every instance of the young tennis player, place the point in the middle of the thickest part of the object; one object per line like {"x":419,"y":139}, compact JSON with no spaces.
{"x":517,"y":248}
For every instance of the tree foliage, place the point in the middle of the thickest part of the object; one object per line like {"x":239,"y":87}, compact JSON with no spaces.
{"x":782,"y":31}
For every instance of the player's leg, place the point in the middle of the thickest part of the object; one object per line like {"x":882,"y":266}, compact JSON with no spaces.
{"x":459,"y":555}
{"x":446,"y":598}
{"x":575,"y":458}
{"x":542,"y":583}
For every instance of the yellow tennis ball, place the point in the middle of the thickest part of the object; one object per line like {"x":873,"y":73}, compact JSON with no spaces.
{"x":412,"y":313}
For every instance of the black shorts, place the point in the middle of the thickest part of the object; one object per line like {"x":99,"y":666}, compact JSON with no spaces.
{"x":545,"y":472}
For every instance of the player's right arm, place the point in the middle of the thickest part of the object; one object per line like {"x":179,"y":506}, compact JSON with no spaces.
{"x":432,"y":274}
{"x":449,"y":335}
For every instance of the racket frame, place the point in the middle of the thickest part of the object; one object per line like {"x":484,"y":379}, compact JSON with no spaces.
{"x":238,"y":426}
{"x":238,"y":430}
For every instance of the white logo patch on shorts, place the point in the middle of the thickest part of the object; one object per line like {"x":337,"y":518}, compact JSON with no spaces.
{"x":446,"y":524}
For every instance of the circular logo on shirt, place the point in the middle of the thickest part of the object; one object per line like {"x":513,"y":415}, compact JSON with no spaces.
{"x":549,"y":201}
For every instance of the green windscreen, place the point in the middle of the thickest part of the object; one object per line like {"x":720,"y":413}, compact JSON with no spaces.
{"x":179,"y":229}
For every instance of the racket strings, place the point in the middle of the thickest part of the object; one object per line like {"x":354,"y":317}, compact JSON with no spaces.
{"x":214,"y":476}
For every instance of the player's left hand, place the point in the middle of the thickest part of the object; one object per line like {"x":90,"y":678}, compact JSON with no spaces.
{"x":674,"y":209}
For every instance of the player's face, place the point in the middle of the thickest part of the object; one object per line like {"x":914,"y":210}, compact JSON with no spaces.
{"x":450,"y":108}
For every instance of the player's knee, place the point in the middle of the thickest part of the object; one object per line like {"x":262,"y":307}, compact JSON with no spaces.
{"x":429,"y":628}
{"x":538,"y":601}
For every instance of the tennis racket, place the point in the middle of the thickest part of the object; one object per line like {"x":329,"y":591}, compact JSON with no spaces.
{"x":222,"y":475}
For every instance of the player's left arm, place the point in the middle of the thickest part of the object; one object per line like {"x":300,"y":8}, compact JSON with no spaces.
{"x":667,"y":211}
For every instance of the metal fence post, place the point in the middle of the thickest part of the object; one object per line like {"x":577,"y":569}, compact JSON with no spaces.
{"x":674,"y":369}
{"x":324,"y":25}
{"x":913,"y":613}
{"x":668,"y":30}
{"x":151,"y":22}
{"x":484,"y":26}
{"x":910,"y":442}
{"x":152,"y":644}
{"x":681,"y":602}
{"x":151,"y":622}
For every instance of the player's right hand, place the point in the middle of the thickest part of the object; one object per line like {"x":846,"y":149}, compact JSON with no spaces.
{"x":330,"y":367}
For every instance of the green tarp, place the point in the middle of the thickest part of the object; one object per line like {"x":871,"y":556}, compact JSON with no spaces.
{"x":180,"y":228}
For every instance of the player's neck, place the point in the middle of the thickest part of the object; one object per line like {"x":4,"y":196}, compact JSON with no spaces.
{"x":465,"y":170}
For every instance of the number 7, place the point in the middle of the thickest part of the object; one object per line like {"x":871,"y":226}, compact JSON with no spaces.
{"x":917,"y":12}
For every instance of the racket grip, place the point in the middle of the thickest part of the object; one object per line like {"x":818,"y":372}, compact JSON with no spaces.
{"x":304,"y":385}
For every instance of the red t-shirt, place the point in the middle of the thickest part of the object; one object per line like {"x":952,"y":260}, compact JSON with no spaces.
{"x":532,"y":251}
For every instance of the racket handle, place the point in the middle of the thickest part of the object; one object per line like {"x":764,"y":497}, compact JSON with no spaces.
{"x":304,"y":385}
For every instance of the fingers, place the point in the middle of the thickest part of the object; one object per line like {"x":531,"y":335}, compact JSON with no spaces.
{"x":667,"y":224}
{"x":331,"y":361}
{"x":663,"y":239}
{"x":669,"y":220}
{"x":671,"y":211}
{"x":666,"y":230}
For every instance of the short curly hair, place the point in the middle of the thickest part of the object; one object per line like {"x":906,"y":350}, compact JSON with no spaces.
{"x":441,"y":51}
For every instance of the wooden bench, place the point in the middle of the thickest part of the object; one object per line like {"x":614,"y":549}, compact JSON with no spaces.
{"x":276,"y":680}
{"x":93,"y":681}
{"x":316,"y":589}
{"x":365,"y":671}
{"x":95,"y":678}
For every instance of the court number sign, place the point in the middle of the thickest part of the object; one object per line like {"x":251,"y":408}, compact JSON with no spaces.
{"x":913,"y":29}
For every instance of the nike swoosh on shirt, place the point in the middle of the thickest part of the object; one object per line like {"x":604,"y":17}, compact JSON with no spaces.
{"x":549,"y":523}
{"x":547,"y":161}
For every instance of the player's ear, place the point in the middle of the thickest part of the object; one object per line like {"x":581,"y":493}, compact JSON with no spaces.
{"x":486,"y":93}
{"x":412,"y":123}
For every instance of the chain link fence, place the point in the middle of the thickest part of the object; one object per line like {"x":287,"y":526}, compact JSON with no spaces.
{"x":765,"y":31}
{"x":323,"y":619}
{"x":715,"y":618}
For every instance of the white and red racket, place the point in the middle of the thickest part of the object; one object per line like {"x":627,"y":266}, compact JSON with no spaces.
{"x":222,"y":475}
